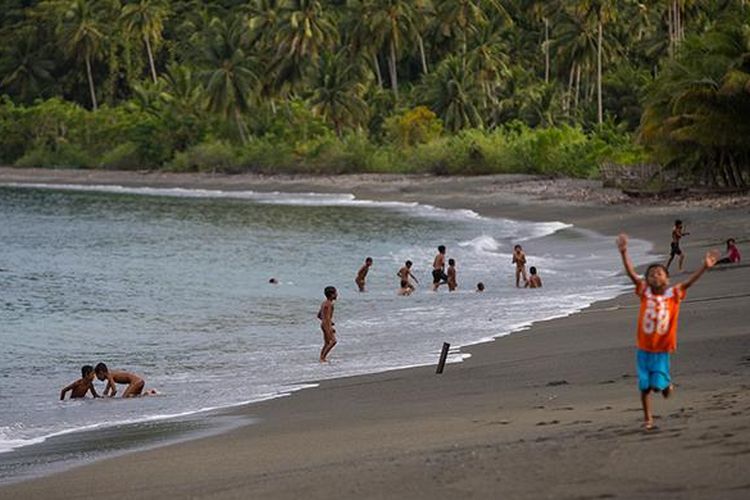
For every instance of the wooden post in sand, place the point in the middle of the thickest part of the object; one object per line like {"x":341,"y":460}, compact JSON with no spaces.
{"x":443,"y":357}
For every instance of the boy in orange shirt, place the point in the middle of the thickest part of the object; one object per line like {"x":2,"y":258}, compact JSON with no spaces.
{"x":657,"y":323}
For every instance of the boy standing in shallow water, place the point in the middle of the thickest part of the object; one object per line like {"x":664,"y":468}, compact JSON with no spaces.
{"x":657,"y":324}
{"x":325,"y":315}
{"x":519,"y":259}
{"x":362,"y":274}
{"x":80,"y":387}
{"x":406,"y":276}
{"x":438,"y":269}
{"x":452,"y":283}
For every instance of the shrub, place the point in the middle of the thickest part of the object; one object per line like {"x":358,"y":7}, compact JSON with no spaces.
{"x":64,"y":155}
{"x":415,"y":126}
{"x":216,"y":156}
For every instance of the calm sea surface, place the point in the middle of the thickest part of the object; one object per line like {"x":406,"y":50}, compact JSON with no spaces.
{"x":173,"y":285}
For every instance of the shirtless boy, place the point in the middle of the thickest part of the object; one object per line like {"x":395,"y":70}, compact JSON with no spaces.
{"x":452,"y":284}
{"x":657,"y":324}
{"x":406,"y":276}
{"x":134,"y":383}
{"x":325,"y":315}
{"x":678,"y":231}
{"x":80,"y":387}
{"x":362,"y":274}
{"x":438,"y":269}
{"x":535,"y":281}
{"x":519,"y":259}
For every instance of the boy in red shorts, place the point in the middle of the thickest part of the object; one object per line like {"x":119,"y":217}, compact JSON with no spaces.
{"x":657,"y":323}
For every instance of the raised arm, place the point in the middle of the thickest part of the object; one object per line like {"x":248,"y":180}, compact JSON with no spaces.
{"x":622,"y":245}
{"x":709,"y":261}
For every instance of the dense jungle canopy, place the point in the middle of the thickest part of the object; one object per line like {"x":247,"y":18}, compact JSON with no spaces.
{"x":444,"y":86}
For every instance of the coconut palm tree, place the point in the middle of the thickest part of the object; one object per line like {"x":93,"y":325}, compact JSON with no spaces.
{"x":338,"y":90}
{"x":696,"y":114}
{"x":391,"y":24}
{"x":83,"y":36}
{"x":304,"y":31}
{"x":146,"y":20}
{"x":453,"y":93}
{"x":26,"y":70}
{"x":230,"y":73}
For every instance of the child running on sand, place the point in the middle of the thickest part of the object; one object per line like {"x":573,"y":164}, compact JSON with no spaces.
{"x":405,"y":275}
{"x":134,"y":383}
{"x":535,"y":281}
{"x":438,"y":269}
{"x":451,"y":274}
{"x":678,"y":231}
{"x":362,"y":274}
{"x":325,"y":315}
{"x":80,"y":387}
{"x":519,"y":259}
{"x":657,"y":323}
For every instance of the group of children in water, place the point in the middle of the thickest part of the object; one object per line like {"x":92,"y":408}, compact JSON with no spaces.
{"x":85,"y":384}
{"x":656,"y":333}
{"x":443,"y":276}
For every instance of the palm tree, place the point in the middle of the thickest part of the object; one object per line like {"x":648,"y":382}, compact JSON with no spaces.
{"x":452,"y":92}
{"x":230,"y":73}
{"x":146,"y":19}
{"x":459,"y":18}
{"x":697,"y":111}
{"x":489,"y":61}
{"x":83,"y":35}
{"x":26,"y":70}
{"x":338,"y":91}
{"x":304,"y":30}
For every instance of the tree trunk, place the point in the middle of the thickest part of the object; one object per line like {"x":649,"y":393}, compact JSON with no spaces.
{"x":422,"y":55}
{"x":240,"y":126}
{"x":150,"y":58}
{"x":91,"y":83}
{"x":546,"y":50}
{"x":599,"y":110}
{"x":670,"y":30}
{"x":378,"y":73}
{"x":569,"y":95}
{"x":392,"y":64}
{"x":578,"y":86}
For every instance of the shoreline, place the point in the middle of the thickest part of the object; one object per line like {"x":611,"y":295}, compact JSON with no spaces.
{"x":646,"y":223}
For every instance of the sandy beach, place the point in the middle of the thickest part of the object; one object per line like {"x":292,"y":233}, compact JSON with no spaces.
{"x":550,"y":412}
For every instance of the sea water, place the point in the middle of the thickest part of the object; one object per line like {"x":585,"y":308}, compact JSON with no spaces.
{"x":173,"y":285}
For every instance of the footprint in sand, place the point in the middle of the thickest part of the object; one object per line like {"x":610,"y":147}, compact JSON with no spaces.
{"x":551,"y":422}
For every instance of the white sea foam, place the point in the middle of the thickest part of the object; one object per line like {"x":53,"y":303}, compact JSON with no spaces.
{"x":368,"y":321}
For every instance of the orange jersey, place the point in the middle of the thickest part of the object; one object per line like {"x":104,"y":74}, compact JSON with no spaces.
{"x":657,"y":319}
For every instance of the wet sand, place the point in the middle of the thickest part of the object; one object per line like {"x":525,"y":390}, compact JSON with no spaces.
{"x":549,"y":412}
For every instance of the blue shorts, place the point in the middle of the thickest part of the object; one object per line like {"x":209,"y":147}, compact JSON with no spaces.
{"x":653,"y":370}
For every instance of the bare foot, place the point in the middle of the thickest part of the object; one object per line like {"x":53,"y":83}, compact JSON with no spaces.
{"x":648,"y":425}
{"x":668,"y":391}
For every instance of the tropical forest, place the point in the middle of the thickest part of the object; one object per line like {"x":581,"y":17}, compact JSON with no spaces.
{"x":386,"y":86}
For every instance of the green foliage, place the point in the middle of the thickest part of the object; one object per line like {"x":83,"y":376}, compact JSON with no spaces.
{"x":319,"y":85}
{"x":217,"y":156}
{"x":414,"y":126}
